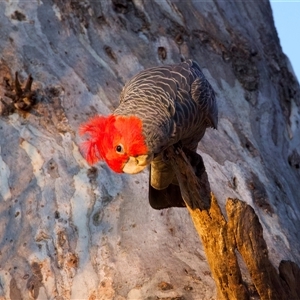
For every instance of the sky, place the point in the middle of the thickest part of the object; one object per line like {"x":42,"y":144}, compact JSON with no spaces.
{"x":286,"y":15}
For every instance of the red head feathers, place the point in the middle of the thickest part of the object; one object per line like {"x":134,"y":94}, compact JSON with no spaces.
{"x":113,"y":139}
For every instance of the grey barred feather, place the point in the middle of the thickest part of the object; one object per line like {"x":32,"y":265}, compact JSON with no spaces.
{"x":175,"y":103}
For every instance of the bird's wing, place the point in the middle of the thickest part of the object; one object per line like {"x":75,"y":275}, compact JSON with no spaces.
{"x":204,"y":95}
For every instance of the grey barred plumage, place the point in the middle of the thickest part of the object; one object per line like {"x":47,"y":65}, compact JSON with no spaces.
{"x":175,"y":103}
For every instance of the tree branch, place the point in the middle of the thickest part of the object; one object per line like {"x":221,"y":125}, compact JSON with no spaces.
{"x":221,"y":238}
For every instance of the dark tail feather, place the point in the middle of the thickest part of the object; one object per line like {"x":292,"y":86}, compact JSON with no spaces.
{"x":169,"y":197}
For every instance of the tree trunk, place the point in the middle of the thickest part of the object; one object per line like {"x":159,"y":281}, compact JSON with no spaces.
{"x":69,"y":231}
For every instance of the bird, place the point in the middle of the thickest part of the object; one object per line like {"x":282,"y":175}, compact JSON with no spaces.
{"x":160,"y":107}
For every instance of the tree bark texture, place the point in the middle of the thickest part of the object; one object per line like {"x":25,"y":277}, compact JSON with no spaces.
{"x":222,"y":239}
{"x":69,"y":231}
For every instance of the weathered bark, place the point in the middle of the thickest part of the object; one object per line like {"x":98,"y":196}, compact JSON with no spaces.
{"x":221,"y":239}
{"x":218,"y":241}
{"x":69,"y":231}
{"x":220,"y":250}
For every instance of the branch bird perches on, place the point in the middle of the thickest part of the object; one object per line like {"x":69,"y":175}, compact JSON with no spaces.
{"x":222,"y":238}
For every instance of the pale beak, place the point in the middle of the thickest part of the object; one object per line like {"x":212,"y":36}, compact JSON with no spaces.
{"x":137,"y":164}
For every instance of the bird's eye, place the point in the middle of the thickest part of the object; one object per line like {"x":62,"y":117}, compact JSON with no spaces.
{"x":119,"y":149}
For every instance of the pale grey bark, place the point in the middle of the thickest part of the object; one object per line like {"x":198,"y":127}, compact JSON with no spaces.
{"x":71,"y":232}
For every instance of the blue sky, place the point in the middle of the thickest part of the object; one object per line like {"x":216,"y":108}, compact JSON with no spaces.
{"x":286,"y":15}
